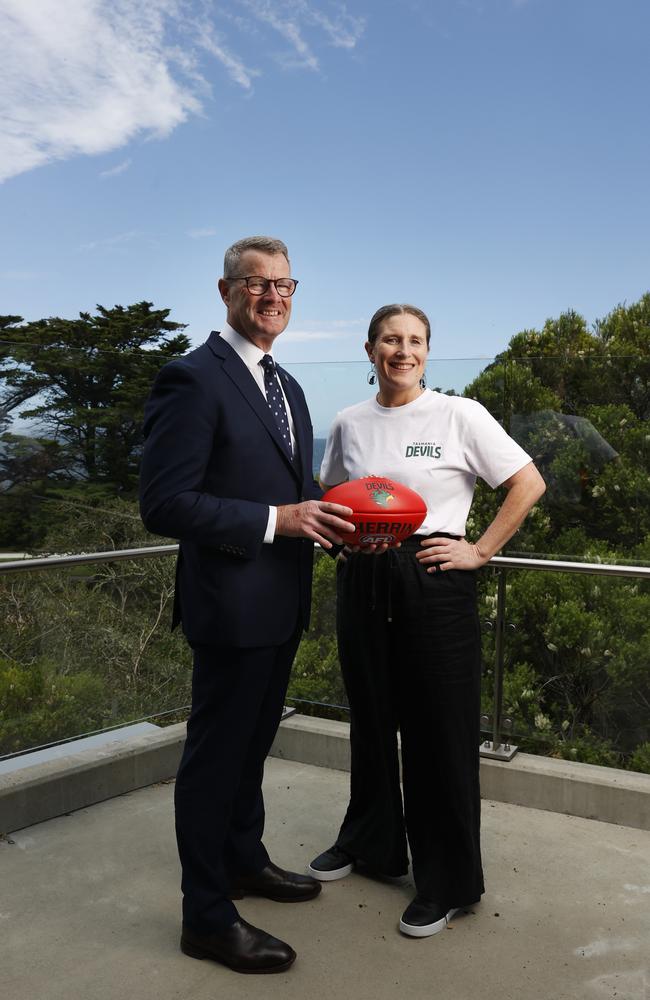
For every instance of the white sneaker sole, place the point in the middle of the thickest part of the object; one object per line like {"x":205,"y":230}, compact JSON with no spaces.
{"x":426,"y":930}
{"x":330,"y":876}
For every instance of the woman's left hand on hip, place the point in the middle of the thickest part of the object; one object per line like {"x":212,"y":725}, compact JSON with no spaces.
{"x":449,"y":553}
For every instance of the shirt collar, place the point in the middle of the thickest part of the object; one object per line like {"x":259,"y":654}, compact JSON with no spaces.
{"x":250,"y":354}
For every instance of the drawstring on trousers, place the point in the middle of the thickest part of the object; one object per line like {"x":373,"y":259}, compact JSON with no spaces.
{"x":392,"y":555}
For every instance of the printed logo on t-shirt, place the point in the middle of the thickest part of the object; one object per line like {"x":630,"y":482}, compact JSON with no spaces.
{"x":423,"y":449}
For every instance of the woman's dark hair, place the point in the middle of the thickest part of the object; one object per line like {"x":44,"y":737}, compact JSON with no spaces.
{"x":396,"y":309}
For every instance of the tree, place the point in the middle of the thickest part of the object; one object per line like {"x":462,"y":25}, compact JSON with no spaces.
{"x":578,"y":401}
{"x":89,"y":646}
{"x":86,"y":380}
{"x":7,"y":331}
{"x":578,"y":683}
{"x":28,"y":466}
{"x":624,"y":335}
{"x":82,"y":385}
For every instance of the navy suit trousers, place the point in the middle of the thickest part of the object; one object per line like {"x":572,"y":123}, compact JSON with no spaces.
{"x":237,"y":700}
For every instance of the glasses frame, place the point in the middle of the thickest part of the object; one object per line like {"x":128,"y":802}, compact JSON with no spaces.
{"x":269,"y":281}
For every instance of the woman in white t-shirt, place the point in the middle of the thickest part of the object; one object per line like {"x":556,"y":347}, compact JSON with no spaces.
{"x":407,"y":626}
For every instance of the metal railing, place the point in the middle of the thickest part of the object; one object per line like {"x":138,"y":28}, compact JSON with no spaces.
{"x":499,"y":746}
{"x":49,"y":562}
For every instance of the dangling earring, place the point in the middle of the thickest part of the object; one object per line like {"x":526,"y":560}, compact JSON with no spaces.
{"x":423,"y":381}
{"x":372,"y":374}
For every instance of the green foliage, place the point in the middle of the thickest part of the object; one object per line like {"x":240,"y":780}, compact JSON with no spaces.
{"x":625,"y":335}
{"x":578,"y":679}
{"x":316,"y":675}
{"x":505,"y":388}
{"x":89,"y":646}
{"x":640,"y":759}
{"x":28,"y":468}
{"x":38,"y":705}
{"x":83,"y":382}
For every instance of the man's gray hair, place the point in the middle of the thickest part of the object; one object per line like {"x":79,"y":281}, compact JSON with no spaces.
{"x":262,"y":244}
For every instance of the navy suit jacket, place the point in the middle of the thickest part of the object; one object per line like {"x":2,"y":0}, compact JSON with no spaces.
{"x":212,"y":463}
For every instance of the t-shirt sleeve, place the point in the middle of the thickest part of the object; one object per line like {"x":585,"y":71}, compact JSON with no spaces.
{"x":489,"y":451}
{"x":332,"y":470}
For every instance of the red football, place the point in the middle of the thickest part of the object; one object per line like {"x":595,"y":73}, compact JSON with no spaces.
{"x":384,"y":511}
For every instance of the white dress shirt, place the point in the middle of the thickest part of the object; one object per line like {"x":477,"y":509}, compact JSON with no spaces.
{"x":252,"y":356}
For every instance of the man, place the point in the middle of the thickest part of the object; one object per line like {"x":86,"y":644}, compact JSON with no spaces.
{"x":227,"y":469}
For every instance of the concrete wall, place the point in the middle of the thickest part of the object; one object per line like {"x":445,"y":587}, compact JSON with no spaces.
{"x":42,"y":791}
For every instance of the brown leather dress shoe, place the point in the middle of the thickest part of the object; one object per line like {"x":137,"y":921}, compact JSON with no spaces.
{"x":241,"y":947}
{"x":274,"y":883}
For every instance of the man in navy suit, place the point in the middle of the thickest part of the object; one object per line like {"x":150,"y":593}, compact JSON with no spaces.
{"x":227,"y":469}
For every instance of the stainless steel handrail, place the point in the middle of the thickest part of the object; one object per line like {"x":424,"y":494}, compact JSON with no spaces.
{"x":45,"y":562}
{"x":559,"y":566}
{"x":497,"y":562}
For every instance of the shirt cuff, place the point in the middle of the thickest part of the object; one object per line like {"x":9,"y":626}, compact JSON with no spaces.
{"x":269,"y":534}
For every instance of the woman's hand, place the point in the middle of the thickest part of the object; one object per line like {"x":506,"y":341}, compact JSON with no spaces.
{"x":366,"y":550}
{"x":449,"y":553}
{"x":524,"y":488}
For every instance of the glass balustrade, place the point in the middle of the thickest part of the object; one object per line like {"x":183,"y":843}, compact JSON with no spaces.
{"x":87,"y":647}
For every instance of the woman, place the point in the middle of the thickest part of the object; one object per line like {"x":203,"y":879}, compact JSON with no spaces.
{"x":407,"y":625}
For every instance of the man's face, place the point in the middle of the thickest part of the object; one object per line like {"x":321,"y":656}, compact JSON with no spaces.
{"x":260,"y":318}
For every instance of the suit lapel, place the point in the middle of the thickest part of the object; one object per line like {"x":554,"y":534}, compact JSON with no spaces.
{"x":236,"y":370}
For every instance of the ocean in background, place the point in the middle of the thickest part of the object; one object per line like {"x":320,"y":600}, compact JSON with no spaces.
{"x":319,"y":451}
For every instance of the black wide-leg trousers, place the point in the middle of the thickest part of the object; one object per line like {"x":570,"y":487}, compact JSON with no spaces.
{"x":237,"y":701}
{"x":409,"y":648}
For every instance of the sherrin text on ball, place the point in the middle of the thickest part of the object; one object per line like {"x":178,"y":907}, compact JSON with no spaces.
{"x":384,"y":511}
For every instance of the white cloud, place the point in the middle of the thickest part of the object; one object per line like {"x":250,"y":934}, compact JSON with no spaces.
{"x":111,"y":241}
{"x":211,"y":41}
{"x":84,"y":76}
{"x":334,"y":330}
{"x":284,"y":18}
{"x":88,"y":76}
{"x":344,"y":31}
{"x":289,"y":18}
{"x":13,"y":274}
{"x":115,"y":171}
{"x":200,"y":234}
{"x":338,"y":323}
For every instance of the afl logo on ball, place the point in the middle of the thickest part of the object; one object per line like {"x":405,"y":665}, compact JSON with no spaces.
{"x":377,"y":540}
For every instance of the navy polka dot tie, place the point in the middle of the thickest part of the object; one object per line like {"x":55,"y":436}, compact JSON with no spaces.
{"x":275,"y":399}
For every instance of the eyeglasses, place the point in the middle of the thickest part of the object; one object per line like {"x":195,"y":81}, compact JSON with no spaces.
{"x":256,"y":285}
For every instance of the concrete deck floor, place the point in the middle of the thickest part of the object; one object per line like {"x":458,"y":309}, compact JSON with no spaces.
{"x":89,"y":909}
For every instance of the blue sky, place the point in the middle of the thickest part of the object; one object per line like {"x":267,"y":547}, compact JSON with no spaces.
{"x":485,"y":159}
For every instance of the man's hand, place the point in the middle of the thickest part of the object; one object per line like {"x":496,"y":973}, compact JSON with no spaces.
{"x":322,"y":522}
{"x":449,"y":553}
{"x":368,"y":550}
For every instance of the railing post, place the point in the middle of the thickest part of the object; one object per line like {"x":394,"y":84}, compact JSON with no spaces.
{"x":495,"y":748}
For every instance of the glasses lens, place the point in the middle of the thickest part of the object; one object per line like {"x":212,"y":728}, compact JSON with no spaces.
{"x":258,"y":285}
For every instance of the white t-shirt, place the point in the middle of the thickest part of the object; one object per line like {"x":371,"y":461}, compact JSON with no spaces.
{"x":436,"y":444}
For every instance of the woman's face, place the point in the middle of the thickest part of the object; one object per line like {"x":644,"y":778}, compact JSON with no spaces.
{"x":399,"y":354}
